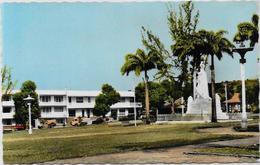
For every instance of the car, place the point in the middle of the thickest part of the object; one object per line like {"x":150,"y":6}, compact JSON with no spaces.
{"x":20,"y":126}
{"x":51,"y":123}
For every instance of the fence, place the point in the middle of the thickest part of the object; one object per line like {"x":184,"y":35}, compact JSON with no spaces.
{"x":180,"y":117}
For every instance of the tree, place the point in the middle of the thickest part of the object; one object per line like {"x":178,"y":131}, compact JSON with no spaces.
{"x":185,"y":56}
{"x":141,"y":62}
{"x":21,"y":107}
{"x":105,"y":99}
{"x":156,"y":92}
{"x":7,"y":83}
{"x":215,"y":45}
{"x":248,"y":31}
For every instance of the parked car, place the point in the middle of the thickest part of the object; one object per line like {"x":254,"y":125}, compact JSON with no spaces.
{"x":51,"y":123}
{"x":76,"y":121}
{"x":20,"y":126}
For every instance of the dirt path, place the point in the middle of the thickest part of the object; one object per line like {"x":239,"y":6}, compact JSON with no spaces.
{"x":171,"y":155}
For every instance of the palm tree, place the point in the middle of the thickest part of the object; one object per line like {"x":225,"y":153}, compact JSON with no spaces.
{"x":140,"y":62}
{"x":248,"y":31}
{"x":215,"y":45}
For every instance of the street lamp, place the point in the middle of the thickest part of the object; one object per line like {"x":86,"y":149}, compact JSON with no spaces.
{"x":182,"y":99}
{"x":226,"y":83}
{"x":242,"y":50}
{"x":134,"y":107}
{"x":29,"y":99}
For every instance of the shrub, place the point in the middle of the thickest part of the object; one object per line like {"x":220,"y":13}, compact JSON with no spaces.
{"x":99,"y":120}
{"x":123,"y":118}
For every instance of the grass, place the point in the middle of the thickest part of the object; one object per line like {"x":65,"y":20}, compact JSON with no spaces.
{"x":242,"y":150}
{"x":61,"y":143}
{"x":250,"y":128}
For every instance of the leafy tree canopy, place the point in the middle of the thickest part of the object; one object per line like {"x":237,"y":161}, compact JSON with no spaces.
{"x":105,"y":99}
{"x":248,"y":31}
{"x":157,"y":94}
{"x":21,"y":107}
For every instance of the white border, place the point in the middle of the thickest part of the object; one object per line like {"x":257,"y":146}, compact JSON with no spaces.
{"x":121,"y":1}
{"x":75,"y":1}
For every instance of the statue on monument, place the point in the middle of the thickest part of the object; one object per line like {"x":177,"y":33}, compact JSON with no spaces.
{"x":201,"y":89}
{"x":201,"y":103}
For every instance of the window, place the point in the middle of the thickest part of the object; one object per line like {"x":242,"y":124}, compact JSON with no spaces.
{"x":89,"y":99}
{"x":72,"y":113}
{"x":6,"y":97}
{"x":60,"y":121}
{"x":7,"y":109}
{"x":7,"y":121}
{"x":131,"y":99}
{"x":45,"y":98}
{"x":79,"y":99}
{"x":46,"y":109}
{"x":58,"y":109}
{"x":58,"y":98}
{"x":122,"y":99}
{"x":69,"y":99}
{"x":130,"y":110}
{"x":121,"y":112}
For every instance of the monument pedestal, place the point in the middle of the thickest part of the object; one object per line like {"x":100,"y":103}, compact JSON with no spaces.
{"x":199,"y":108}
{"x":220,"y":115}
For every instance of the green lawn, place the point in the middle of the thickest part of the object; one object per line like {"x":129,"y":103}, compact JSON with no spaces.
{"x":60,"y":143}
{"x":243,"y":150}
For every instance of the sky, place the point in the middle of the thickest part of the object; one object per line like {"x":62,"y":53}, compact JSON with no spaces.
{"x":83,"y":45}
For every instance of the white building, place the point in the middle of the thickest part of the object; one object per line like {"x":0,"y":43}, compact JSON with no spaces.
{"x":64,"y":104}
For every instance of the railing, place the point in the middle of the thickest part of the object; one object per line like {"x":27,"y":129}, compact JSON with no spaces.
{"x":179,"y":117}
{"x":165,"y":117}
{"x":238,"y":116}
{"x":53,"y":114}
{"x":52,"y":103}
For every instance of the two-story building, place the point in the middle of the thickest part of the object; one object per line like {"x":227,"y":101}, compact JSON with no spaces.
{"x":64,"y":104}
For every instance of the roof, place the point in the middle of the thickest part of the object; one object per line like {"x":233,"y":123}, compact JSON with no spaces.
{"x":235,"y":98}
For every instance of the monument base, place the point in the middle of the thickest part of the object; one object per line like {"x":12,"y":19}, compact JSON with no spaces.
{"x":199,"y":106}
{"x":196,"y":117}
{"x":220,"y":115}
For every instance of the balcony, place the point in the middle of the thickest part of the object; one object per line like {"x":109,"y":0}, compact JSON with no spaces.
{"x":8,"y":103}
{"x":126,"y":105}
{"x":52,"y":103}
{"x":75,"y":105}
{"x":54,"y":114}
{"x":9,"y":115}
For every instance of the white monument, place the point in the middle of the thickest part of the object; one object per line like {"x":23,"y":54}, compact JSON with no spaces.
{"x":201,"y":104}
{"x":220,"y":115}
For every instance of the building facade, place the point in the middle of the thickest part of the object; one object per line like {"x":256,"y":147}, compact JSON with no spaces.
{"x":64,"y":104}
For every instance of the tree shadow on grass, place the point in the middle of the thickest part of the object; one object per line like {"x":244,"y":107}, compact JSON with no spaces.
{"x":161,"y":146}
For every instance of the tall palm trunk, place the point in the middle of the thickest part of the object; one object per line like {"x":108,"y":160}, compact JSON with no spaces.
{"x":147,"y":106}
{"x":213,"y":105}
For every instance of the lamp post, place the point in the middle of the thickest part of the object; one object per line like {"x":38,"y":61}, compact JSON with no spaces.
{"x":182,"y":99}
{"x":29,"y":99}
{"x":242,"y":50}
{"x":134,"y":108}
{"x":134,"y":100}
{"x":226,"y":83}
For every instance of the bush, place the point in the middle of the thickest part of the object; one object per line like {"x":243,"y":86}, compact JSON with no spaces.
{"x":250,"y":128}
{"x":123,"y":118}
{"x":99,"y":120}
{"x":131,"y":117}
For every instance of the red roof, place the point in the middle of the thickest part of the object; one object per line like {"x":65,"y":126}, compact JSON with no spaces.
{"x":235,"y":99}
